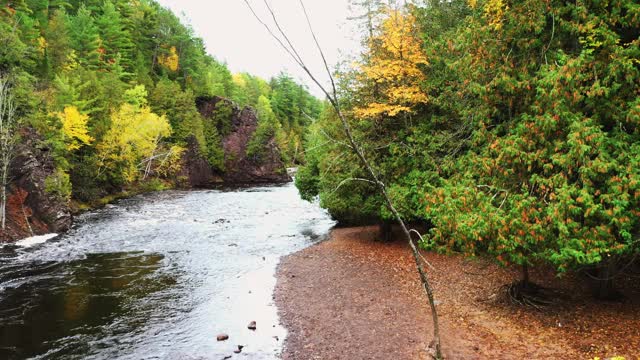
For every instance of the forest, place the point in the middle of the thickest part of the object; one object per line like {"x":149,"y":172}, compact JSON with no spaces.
{"x":508,"y":129}
{"x":504,"y":128}
{"x":505,"y":134}
{"x":110,"y":88}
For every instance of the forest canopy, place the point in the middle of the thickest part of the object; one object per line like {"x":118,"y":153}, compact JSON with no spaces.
{"x":507,"y":128}
{"x":111,"y":86}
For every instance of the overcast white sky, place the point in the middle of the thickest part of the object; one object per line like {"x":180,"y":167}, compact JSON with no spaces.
{"x":232,"y":34}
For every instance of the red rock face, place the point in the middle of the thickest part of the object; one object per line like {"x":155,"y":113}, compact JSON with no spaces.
{"x":30,"y":208}
{"x":195,"y":171}
{"x":239,"y":168}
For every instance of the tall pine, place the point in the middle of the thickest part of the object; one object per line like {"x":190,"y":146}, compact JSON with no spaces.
{"x":85,"y":39}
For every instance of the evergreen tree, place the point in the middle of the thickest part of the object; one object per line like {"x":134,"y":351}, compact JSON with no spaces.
{"x":116,"y":41}
{"x":58,"y":42}
{"x":268,"y":128}
{"x":85,"y":39}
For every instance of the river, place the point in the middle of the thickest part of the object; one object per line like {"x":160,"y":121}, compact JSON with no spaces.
{"x":157,"y":276}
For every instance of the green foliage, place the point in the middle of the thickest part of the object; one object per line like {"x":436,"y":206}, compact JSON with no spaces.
{"x":219,"y":81}
{"x":348,"y":200}
{"x":58,"y":48}
{"x":112,"y":83}
{"x":248,"y":89}
{"x":267,"y":129}
{"x":557,"y":177}
{"x":84,"y":38}
{"x":215,"y":152}
{"x":154,"y":184}
{"x":222,"y":117}
{"x":58,"y":184}
{"x":295,"y":109}
{"x":180,"y":109}
{"x":116,"y":43}
{"x":216,"y":127}
{"x":528,"y":146}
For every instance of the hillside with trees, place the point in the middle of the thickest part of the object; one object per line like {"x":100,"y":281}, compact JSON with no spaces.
{"x":500,"y":139}
{"x":508,"y":129}
{"x":110,"y":89}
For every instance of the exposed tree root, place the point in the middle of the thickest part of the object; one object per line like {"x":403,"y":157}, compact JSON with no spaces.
{"x":523,"y":293}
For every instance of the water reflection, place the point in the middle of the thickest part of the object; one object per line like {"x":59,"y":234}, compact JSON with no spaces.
{"x":73,"y":299}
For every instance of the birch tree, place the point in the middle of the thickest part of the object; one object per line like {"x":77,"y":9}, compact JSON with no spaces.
{"x":8,"y":124}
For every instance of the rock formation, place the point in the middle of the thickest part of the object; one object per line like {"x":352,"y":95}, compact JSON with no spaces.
{"x":33,"y":211}
{"x":195,"y":171}
{"x":240,"y":169}
{"x":30,"y":209}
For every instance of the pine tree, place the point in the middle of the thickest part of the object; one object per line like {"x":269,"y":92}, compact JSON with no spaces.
{"x":58,"y":42}
{"x":268,"y":129}
{"x":85,"y":39}
{"x":116,"y":40}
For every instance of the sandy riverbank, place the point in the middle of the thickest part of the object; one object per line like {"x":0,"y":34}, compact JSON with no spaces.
{"x":353,"y":298}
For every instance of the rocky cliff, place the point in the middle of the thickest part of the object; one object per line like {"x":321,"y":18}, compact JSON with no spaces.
{"x":239,"y":168}
{"x":30,"y":209}
{"x":195,"y":171}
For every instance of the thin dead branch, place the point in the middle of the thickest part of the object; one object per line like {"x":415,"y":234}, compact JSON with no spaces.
{"x":333,"y":99}
{"x":351,"y":179}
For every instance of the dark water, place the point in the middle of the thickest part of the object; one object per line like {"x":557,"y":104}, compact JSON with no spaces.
{"x":157,"y":276}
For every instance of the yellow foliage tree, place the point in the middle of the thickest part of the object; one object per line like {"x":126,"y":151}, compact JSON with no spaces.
{"x":493,"y":10}
{"x":171,"y":60}
{"x":134,"y":135}
{"x":74,"y":128}
{"x":171,"y":163}
{"x":396,"y":55}
{"x":239,"y":80}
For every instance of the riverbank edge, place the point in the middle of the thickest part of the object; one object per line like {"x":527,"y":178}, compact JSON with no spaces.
{"x":77,"y":207}
{"x":353,"y":297}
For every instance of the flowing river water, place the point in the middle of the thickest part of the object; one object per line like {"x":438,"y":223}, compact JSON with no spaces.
{"x":157,"y":276}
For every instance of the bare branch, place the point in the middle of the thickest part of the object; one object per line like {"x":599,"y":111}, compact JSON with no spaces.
{"x":334,"y":101}
{"x":331,"y":139}
{"x":324,"y":59}
{"x":351,"y":179}
{"x":272,"y":34}
{"x":414,"y":231}
{"x":284,"y":35}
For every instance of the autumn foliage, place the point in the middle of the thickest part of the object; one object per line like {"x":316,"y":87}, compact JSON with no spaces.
{"x":74,"y":128}
{"x":392,"y":68}
{"x":509,"y":128}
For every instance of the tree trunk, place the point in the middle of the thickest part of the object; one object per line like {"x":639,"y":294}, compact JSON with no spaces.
{"x":7,"y":141}
{"x":604,"y":283}
{"x":385,"y":230}
{"x":26,"y":220}
{"x":525,"y":276}
{"x":3,"y":201}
